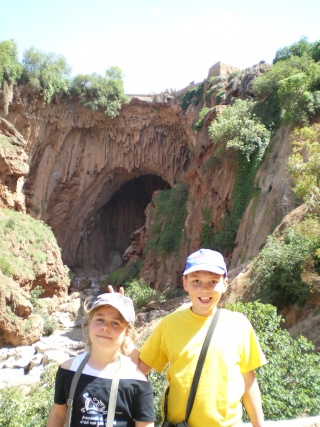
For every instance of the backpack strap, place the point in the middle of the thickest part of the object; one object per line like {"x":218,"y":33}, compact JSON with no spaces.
{"x":74,"y":383}
{"x":113,"y":393}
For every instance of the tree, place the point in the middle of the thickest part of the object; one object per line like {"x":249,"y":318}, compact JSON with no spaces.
{"x":302,"y":47}
{"x":293,"y":84}
{"x":304,"y":164}
{"x":299,"y":48}
{"x":10,"y":68}
{"x":97,"y":92}
{"x":240,"y":130}
{"x":47,"y":72}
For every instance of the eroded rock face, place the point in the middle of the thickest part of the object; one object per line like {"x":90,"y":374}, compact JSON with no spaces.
{"x":92,"y":177}
{"x":13,"y":167}
{"x":18,"y":325}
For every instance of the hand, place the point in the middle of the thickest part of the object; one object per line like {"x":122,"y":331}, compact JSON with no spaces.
{"x":112,"y":291}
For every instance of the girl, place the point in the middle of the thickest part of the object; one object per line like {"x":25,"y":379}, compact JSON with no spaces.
{"x":110,"y":328}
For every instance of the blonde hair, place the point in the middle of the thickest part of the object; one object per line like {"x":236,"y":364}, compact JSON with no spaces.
{"x":128,"y":342}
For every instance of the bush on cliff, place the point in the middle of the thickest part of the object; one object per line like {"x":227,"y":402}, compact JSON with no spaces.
{"x":46,"y":72}
{"x":290,"y":381}
{"x":290,"y":91}
{"x":101,"y":93}
{"x":304,"y":164}
{"x":10,"y":68}
{"x":287,"y":268}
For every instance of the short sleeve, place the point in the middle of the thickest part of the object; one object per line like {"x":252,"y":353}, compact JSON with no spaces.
{"x":60,"y":392}
{"x":153,"y":352}
{"x":143,"y":405}
{"x":252,"y":356}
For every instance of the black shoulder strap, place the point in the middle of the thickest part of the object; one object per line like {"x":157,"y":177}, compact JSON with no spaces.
{"x":74,"y":383}
{"x":200,"y":363}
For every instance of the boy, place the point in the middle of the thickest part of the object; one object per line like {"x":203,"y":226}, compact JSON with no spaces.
{"x":234,"y":352}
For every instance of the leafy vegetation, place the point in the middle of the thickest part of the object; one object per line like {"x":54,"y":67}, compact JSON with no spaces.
{"x":19,"y":410}
{"x":194,"y":94}
{"x":125,"y":274}
{"x":50,"y":75}
{"x":239,"y":129}
{"x":301,"y":48}
{"x":285,"y":271}
{"x":140,"y":292}
{"x":290,"y":89}
{"x":168,"y":221}
{"x":290,"y":381}
{"x":21,"y":234}
{"x":47,"y":72}
{"x":10,"y":68}
{"x":101,"y":93}
{"x":304,"y":164}
{"x":202,"y":115}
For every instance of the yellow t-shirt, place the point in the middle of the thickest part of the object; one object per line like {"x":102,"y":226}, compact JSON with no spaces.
{"x":234,"y":350}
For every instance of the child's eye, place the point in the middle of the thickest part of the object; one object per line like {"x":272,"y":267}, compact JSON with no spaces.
{"x":115,"y":323}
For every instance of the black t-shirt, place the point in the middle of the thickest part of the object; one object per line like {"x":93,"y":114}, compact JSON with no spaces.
{"x":90,"y":404}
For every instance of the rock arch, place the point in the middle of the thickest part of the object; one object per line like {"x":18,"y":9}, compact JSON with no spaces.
{"x":87,"y":173}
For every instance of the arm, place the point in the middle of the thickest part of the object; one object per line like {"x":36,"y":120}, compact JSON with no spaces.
{"x":144,"y":424}
{"x":134,"y":356}
{"x":57,"y":416}
{"x":252,"y":399}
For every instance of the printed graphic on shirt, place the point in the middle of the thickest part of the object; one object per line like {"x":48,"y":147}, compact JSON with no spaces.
{"x":94,"y":411}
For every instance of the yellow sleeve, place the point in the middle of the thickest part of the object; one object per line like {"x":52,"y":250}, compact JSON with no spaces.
{"x":153,"y":352}
{"x":252,"y":356}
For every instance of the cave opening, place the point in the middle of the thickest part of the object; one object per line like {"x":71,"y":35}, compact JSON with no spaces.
{"x":115,"y":222}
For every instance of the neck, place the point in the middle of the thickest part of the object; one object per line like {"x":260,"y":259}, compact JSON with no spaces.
{"x":99,"y":360}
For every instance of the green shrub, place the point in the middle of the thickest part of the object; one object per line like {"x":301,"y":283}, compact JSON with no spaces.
{"x":46,"y":72}
{"x":219,"y":96}
{"x":239,"y":129}
{"x":209,"y":93}
{"x":290,"y":381}
{"x":159,"y":384}
{"x":279,"y":274}
{"x":21,"y":410}
{"x":304,"y":164}
{"x":290,"y":87}
{"x":101,"y":93}
{"x":125,"y":274}
{"x":10,"y":68}
{"x":140,"y":292}
{"x":202,"y":115}
{"x":300,"y":48}
{"x":195,"y":94}
{"x":168,"y":221}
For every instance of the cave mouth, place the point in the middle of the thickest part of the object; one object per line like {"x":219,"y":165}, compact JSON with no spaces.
{"x":115,"y":222}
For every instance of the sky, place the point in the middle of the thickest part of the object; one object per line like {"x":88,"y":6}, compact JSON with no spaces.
{"x":158,"y":44}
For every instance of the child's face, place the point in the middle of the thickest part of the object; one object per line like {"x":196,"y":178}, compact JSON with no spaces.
{"x":107,"y":328}
{"x":205,"y":290}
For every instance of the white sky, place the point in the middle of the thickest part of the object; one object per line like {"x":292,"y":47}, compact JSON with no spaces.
{"x":158,"y":44}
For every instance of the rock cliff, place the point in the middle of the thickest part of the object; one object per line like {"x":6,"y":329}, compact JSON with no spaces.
{"x":91,"y":178}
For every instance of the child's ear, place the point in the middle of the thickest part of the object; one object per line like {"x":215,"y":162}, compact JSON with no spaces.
{"x":184,"y":283}
{"x":225,"y":281}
